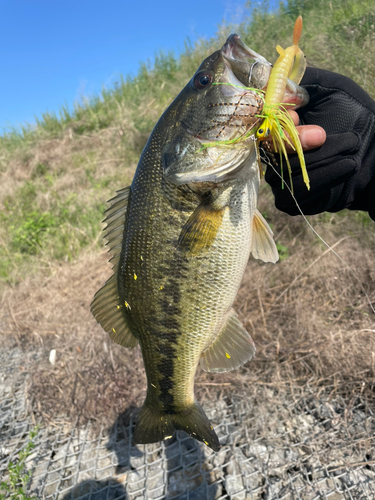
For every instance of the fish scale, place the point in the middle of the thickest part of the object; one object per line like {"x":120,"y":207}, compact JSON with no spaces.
{"x":179,"y":299}
{"x":181,"y":236}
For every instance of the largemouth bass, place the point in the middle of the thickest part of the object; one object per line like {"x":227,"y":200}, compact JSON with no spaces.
{"x":181,"y":236}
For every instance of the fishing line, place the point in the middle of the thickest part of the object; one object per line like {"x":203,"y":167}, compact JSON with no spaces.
{"x":268,"y":163}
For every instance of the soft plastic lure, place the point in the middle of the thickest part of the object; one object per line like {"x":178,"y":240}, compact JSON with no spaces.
{"x":276,"y":120}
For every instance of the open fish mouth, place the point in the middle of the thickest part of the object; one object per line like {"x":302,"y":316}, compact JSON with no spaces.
{"x":253,"y":70}
{"x":249,"y":67}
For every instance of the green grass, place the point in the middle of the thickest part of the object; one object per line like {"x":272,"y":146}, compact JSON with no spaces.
{"x":57,"y":175}
{"x":15,"y":485}
{"x":43,"y":224}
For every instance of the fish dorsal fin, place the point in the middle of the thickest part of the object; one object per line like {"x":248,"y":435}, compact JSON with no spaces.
{"x":106,"y":307}
{"x":201,"y":228}
{"x":231,"y":348}
{"x":263,"y":247}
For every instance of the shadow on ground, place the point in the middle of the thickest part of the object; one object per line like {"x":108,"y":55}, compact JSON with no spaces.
{"x":173,"y":469}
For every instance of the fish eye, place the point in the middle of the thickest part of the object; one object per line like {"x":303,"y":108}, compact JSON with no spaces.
{"x":202,"y":80}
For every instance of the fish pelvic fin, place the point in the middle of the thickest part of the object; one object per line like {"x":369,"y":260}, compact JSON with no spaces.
{"x":106,"y":307}
{"x":154,"y":425}
{"x":263,"y":247}
{"x":232,"y":347}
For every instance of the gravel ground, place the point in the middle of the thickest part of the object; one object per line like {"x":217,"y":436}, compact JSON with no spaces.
{"x":279,"y":445}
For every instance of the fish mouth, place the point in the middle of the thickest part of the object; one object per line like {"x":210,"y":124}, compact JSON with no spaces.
{"x":227,"y":146}
{"x":253,"y":70}
{"x":249,"y":67}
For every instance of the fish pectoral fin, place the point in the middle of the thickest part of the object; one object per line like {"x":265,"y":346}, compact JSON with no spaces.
{"x":262,"y":246}
{"x":154,"y":425}
{"x":106,"y":307}
{"x":107,"y":311}
{"x":232,"y":347}
{"x":201,"y":228}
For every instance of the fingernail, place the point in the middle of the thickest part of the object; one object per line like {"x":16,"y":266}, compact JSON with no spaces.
{"x":313,"y":138}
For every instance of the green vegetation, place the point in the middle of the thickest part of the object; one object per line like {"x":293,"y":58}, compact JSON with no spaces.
{"x":15,"y":486}
{"x":283,"y":251}
{"x":57,"y":175}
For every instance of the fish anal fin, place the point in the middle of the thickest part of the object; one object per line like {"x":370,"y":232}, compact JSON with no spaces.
{"x":154,"y":425}
{"x":263,"y":246}
{"x":232,"y":347}
{"x":200,"y":230}
{"x":106,"y":307}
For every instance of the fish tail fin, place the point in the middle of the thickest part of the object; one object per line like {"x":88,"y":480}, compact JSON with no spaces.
{"x":154,"y":425}
{"x":194,"y":421}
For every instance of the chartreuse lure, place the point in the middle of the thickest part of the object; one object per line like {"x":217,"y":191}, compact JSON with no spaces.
{"x":276,"y":123}
{"x":275,"y":118}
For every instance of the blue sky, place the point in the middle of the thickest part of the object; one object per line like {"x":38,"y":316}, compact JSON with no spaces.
{"x":55,"y":51}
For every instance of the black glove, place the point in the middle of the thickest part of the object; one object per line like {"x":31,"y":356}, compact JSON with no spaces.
{"x":342,"y":170}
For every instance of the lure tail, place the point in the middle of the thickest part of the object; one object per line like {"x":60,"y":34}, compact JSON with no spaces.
{"x":299,"y":66}
{"x":282,"y":122}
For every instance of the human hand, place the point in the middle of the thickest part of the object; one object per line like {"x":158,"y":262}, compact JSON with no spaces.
{"x":311,"y":136}
{"x":342,"y":167}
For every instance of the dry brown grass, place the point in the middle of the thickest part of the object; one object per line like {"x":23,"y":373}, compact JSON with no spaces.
{"x":68,"y":158}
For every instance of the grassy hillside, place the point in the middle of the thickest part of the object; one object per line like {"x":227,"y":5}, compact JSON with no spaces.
{"x":55,"y":177}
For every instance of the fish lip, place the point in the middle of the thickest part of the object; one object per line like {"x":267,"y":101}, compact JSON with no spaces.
{"x":235,"y":50}
{"x":245,"y":62}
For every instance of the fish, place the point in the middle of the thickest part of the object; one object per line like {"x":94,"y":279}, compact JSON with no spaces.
{"x":181,"y":235}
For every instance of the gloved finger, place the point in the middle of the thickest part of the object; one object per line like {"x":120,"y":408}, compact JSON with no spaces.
{"x":330,"y":161}
{"x":314,"y":201}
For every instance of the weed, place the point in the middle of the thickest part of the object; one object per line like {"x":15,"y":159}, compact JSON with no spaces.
{"x":283,"y":251}
{"x":14,"y":487}
{"x":40,"y":170}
